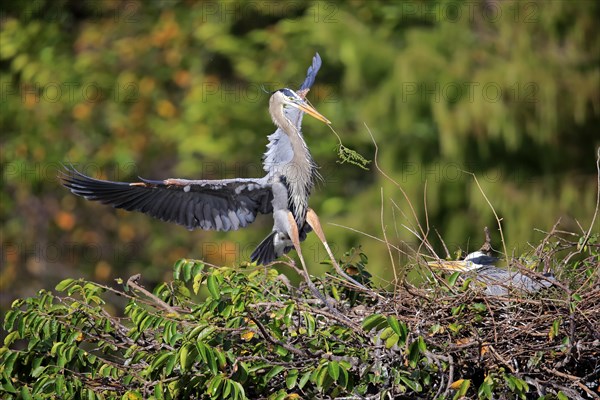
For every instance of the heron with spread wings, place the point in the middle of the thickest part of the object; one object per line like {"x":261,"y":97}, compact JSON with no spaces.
{"x":230,"y":204}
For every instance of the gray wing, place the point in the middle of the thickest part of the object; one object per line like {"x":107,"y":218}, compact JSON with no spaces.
{"x":221,"y":205}
{"x":500,"y":281}
{"x":311,"y":74}
{"x":279,"y":150}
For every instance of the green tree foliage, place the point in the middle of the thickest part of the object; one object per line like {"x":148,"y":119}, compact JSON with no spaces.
{"x":246,"y":333}
{"x":506,"y":90}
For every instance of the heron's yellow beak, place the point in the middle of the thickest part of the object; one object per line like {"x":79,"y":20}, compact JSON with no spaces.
{"x":454,"y":266}
{"x":312,"y":112}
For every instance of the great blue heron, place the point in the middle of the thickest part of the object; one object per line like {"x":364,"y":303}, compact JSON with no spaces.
{"x":229,"y":204}
{"x":497,"y":281}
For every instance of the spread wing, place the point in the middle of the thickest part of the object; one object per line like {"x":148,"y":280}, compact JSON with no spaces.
{"x":311,"y":74}
{"x":221,"y":205}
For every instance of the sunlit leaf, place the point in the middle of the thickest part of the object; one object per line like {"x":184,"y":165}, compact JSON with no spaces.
{"x":213,"y":287}
{"x":333,"y":367}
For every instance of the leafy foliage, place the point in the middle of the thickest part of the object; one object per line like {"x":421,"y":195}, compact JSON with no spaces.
{"x":237,"y":333}
{"x":506,"y":90}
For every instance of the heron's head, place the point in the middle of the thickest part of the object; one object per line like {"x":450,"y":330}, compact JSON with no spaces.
{"x":471,"y":262}
{"x":287,"y":98}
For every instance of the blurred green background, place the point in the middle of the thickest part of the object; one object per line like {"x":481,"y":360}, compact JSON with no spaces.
{"x":506,"y":90}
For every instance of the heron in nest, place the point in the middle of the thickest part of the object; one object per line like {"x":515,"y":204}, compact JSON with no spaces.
{"x":497,"y":281}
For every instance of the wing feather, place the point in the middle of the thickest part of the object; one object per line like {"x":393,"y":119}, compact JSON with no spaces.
{"x":223,"y":205}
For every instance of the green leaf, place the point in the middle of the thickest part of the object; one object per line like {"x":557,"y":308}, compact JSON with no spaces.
{"x":452,"y":279}
{"x":273,"y":372}
{"x":62,"y":285}
{"x":310,"y":323}
{"x":343,"y":381}
{"x":321,"y":376}
{"x":158,"y":361}
{"x":391,"y":341}
{"x":197,"y":283}
{"x":227,"y":388}
{"x":55,"y":347}
{"x":11,"y":337}
{"x":211,"y":361}
{"x":394,"y":324}
{"x":177,"y":268}
{"x":159,"y":391}
{"x":220,"y":357}
{"x":206,"y":332}
{"x":38,"y":371}
{"x":562,"y":396}
{"x":25,"y":393}
{"x":291,"y":378}
{"x":335,"y":293}
{"x":466,"y":284}
{"x":422,"y":344}
{"x":485,"y":389}
{"x":462,"y":390}
{"x":183,"y":357}
{"x":373,"y":321}
{"x":129,"y":395}
{"x":171,"y":363}
{"x":6,"y":382}
{"x":555,"y":329}
{"x":187,"y":270}
{"x":280,"y":395}
{"x":213,"y":287}
{"x":105,"y":370}
{"x":333,"y":368}
{"x":214,"y":385}
{"x":242,"y":372}
{"x":304,"y":379}
{"x":413,"y":354}
{"x":281,"y":351}
{"x":414,"y":385}
{"x":9,"y":319}
{"x":386,"y":333}
{"x":239,"y":390}
{"x":289,"y":312}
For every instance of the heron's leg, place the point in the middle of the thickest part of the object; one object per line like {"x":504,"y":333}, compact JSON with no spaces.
{"x":295,"y":237}
{"x":315,"y":224}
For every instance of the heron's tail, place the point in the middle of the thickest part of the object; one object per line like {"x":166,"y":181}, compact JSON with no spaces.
{"x":272,"y":247}
{"x":265,"y":251}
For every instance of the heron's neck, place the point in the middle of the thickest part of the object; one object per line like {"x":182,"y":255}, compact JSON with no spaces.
{"x":300,"y":171}
{"x":282,"y":121}
{"x":302,"y":155}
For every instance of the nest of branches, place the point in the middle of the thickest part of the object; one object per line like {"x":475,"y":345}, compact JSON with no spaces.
{"x":528,"y":345}
{"x":551,"y":340}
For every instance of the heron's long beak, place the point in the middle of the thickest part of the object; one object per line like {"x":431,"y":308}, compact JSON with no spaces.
{"x":312,"y":112}
{"x":454,"y":266}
